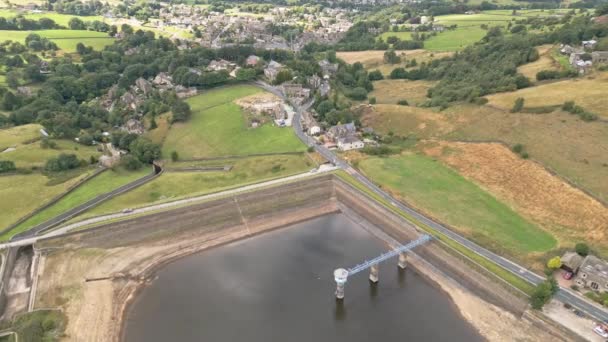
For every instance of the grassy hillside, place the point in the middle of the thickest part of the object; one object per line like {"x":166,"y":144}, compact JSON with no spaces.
{"x":105,"y":182}
{"x":23,"y":193}
{"x":452,"y":199}
{"x":218,"y":128}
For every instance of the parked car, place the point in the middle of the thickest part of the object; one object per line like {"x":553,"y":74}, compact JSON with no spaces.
{"x":600,"y":330}
{"x":127,"y":210}
{"x":567,"y":275}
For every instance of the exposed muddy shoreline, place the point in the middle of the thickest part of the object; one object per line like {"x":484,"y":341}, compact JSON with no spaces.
{"x":130,"y":252}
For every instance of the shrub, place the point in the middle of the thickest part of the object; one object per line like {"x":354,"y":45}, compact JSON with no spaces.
{"x":480,"y":101}
{"x":375,"y":75}
{"x":358,"y":93}
{"x":174,"y":156}
{"x":7,"y":166}
{"x":403,"y":102}
{"x":581,"y":249}
{"x":518,"y":105}
{"x":554,"y":263}
{"x":62,"y":162}
{"x":47,"y":143}
{"x":518,"y":148}
{"x":372,"y":100}
{"x":310,"y":149}
{"x":525,"y":155}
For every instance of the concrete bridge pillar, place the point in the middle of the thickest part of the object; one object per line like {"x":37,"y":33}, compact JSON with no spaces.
{"x":402,"y":260}
{"x":373,"y":273}
{"x":340,"y":275}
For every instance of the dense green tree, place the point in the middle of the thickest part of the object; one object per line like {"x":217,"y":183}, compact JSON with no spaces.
{"x":582,"y":249}
{"x":7,"y":166}
{"x":145,"y":150}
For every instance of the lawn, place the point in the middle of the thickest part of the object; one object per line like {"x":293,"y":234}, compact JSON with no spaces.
{"x":218,"y":128}
{"x":23,"y":193}
{"x":105,"y":182}
{"x":452,"y":199}
{"x":58,"y":18}
{"x":66,"y":40}
{"x":171,"y":186}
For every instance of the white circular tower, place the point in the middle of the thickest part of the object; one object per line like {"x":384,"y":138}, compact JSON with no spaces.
{"x":340,"y":275}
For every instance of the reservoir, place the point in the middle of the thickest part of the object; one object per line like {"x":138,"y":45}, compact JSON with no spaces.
{"x":279,"y":286}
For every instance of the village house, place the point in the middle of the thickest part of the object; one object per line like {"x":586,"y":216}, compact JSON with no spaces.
{"x":329,"y":69}
{"x":220,"y":64}
{"x":571,"y":262}
{"x":324,"y":88}
{"x":142,"y":85}
{"x":340,"y":131}
{"x":593,"y":274}
{"x":272,"y":70}
{"x":314,"y":81}
{"x":350,"y":142}
{"x":134,"y":126}
{"x":183,"y":92}
{"x":163,"y":79}
{"x":295,"y":92}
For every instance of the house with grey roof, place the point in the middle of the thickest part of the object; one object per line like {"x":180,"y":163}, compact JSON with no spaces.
{"x":593,"y":274}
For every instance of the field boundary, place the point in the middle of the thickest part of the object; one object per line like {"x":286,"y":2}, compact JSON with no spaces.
{"x":54,"y":200}
{"x":243,"y":156}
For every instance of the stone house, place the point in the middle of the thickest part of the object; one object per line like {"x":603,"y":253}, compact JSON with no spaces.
{"x":593,"y":274}
{"x":328,"y":68}
{"x":350,"y":142}
{"x":571,"y":262}
{"x":134,"y":126}
{"x":272,"y":70}
{"x":220,"y":64}
{"x":341,"y":131}
{"x":163,"y":79}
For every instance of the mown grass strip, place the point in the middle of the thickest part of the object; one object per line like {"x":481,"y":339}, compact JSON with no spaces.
{"x":499,"y":271}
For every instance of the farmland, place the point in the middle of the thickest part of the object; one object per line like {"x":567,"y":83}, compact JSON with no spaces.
{"x":66,"y":40}
{"x":218,"y":128}
{"x":449,"y":197}
{"x":373,"y":59}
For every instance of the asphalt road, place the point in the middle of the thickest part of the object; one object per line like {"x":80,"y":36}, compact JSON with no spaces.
{"x":563,"y":295}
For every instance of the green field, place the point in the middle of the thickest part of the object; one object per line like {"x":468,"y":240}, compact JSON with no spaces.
{"x":468,"y":29}
{"x":218,"y":128}
{"x":105,"y":182}
{"x":66,"y":40}
{"x":60,"y":19}
{"x":23,"y":193}
{"x":457,"y":202}
{"x":171,"y":186}
{"x":400,"y":35}
{"x":27,"y":152}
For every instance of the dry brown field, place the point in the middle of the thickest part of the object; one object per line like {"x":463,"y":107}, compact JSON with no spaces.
{"x":390,"y":91}
{"x":545,"y":62}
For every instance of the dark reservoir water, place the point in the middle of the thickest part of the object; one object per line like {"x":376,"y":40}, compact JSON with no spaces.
{"x":279,"y":287}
